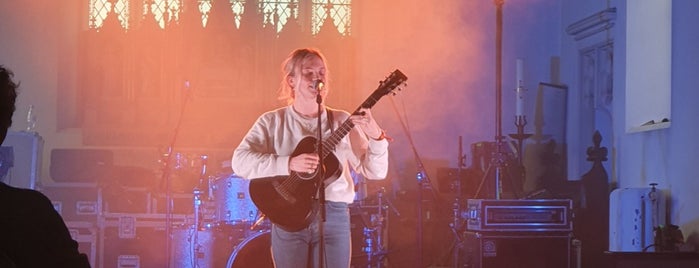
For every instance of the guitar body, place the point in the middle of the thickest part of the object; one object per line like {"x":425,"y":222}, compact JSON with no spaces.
{"x":288,"y":200}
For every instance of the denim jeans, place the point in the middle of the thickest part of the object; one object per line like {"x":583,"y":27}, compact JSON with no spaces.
{"x":299,"y":249}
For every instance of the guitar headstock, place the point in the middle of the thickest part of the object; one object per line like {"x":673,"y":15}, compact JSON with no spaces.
{"x":394,"y":81}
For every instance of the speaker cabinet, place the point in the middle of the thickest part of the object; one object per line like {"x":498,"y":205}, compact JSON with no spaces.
{"x":26,"y":152}
{"x":516,"y":250}
{"x":80,"y":165}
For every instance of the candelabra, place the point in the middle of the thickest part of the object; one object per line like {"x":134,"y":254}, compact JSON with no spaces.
{"x":520,"y":136}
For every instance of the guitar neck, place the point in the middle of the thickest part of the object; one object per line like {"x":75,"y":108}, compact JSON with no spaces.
{"x":330,"y":143}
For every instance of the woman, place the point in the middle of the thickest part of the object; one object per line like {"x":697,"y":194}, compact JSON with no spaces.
{"x":268,"y":150}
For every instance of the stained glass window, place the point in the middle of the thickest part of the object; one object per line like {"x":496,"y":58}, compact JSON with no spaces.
{"x":278,"y":12}
{"x":100,"y":9}
{"x":274,"y":12}
{"x":339,"y":12}
{"x":237,"y":7}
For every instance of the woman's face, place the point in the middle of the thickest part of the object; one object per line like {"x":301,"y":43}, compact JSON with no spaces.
{"x":304,"y":81}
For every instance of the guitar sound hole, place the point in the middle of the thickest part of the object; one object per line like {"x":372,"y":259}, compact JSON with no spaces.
{"x":307,"y":175}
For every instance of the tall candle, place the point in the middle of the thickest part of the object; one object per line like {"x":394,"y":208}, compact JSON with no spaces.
{"x":520,"y":70}
{"x":519,"y":90}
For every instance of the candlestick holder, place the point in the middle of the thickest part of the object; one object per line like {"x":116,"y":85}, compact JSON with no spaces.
{"x":520,"y":136}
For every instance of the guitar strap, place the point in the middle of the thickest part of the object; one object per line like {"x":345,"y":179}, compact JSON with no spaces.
{"x":330,"y":120}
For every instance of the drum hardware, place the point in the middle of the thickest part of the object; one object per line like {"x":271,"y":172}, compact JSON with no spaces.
{"x":210,"y":187}
{"x":196,"y":196}
{"x":193,"y":251}
{"x":261,"y":217}
{"x":374,"y":247}
{"x":197,"y":202}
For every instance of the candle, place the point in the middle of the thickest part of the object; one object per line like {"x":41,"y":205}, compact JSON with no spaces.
{"x":519,"y":90}
{"x":520,"y":101}
{"x":520,"y":70}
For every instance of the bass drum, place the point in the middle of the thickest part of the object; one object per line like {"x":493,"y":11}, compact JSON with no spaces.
{"x":254,"y":251}
{"x":206,"y":247}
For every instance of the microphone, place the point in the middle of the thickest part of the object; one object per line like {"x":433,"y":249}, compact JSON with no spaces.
{"x":318,"y":85}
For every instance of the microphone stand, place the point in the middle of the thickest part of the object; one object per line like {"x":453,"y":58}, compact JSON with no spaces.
{"x":423,"y":183}
{"x":165,"y":179}
{"x":498,"y":157}
{"x":499,"y":154}
{"x":321,"y":178}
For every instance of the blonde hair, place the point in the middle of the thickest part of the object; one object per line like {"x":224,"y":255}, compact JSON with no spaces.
{"x":292,"y":65}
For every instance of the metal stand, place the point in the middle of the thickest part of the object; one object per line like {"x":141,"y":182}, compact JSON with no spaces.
{"x":374,"y":246}
{"x":498,"y":158}
{"x":166,"y":178}
{"x":520,"y":136}
{"x":194,"y":241}
{"x":423,"y":183}
{"x":321,"y":179}
{"x":457,"y":222}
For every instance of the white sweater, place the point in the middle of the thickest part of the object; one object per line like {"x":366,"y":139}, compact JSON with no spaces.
{"x":265,"y":150}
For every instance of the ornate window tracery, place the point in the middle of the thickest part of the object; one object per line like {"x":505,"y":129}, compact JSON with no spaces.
{"x":275,"y":12}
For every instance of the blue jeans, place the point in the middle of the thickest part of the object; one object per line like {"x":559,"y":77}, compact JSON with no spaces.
{"x":299,"y":249}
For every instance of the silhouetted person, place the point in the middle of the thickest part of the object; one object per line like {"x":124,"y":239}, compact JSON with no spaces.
{"x":32,"y":233}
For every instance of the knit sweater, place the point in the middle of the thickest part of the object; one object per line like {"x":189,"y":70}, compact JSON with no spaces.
{"x":266,"y":148}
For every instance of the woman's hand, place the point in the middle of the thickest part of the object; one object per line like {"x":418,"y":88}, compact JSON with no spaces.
{"x":365,"y":121}
{"x":306,"y":163}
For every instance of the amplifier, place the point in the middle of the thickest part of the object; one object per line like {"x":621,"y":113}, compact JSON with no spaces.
{"x":519,"y":215}
{"x":516,"y":249}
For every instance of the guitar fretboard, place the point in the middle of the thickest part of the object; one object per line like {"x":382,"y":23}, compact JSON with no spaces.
{"x":330,"y":143}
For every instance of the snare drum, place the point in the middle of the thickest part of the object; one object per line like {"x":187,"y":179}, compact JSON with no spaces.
{"x":254,"y":251}
{"x":233,"y":203}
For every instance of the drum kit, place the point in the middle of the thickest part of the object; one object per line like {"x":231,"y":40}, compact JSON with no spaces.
{"x":224,"y":231}
{"x":227,"y":229}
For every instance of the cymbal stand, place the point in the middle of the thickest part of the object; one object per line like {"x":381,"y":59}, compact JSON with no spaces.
{"x":166,"y":178}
